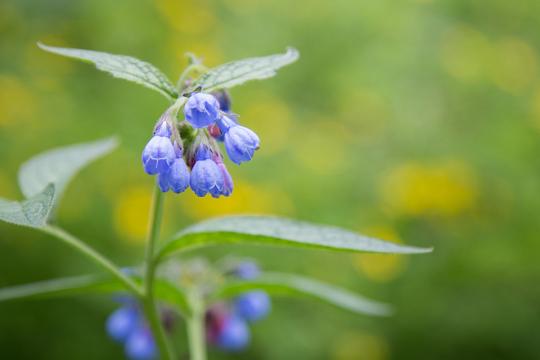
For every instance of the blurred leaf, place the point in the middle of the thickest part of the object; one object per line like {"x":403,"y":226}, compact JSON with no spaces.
{"x":31,"y":212}
{"x":58,"y":166}
{"x":89,"y":284}
{"x":238,"y":72}
{"x":287,"y":284}
{"x":71,"y":286}
{"x":121,"y":66}
{"x":267,"y":230}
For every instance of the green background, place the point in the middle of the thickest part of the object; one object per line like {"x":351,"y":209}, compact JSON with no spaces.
{"x":416,"y":121}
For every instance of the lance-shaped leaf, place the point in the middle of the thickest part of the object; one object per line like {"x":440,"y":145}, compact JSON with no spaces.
{"x":121,"y":66}
{"x":88,"y":285}
{"x":32,"y":212}
{"x":59,"y":165}
{"x":293,"y":285}
{"x":268,"y":230}
{"x":238,"y":72}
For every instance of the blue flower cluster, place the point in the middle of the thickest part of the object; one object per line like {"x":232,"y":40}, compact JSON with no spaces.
{"x":227,"y":324}
{"x":207,"y":118}
{"x":127,"y":326}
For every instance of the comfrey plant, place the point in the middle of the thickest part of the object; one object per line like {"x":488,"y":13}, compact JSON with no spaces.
{"x":218,"y":302}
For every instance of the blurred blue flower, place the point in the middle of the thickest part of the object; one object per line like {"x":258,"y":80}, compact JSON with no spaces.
{"x":121,"y":323}
{"x":201,"y":110}
{"x":247,"y":270}
{"x":141,"y":345}
{"x":253,"y":305}
{"x":234,"y":334}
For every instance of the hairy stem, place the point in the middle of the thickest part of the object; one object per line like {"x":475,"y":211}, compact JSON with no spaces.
{"x":149,"y":303}
{"x":95,"y":256}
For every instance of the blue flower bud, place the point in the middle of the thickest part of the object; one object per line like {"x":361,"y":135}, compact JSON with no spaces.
{"x":140,"y":345}
{"x":253,"y":305}
{"x":247,"y":270}
{"x":158,"y":155}
{"x":240,"y":142}
{"x":122,"y":322}
{"x":163,"y":130}
{"x":224,"y":100}
{"x":234,"y":334}
{"x":201,"y":110}
{"x":206,"y":177}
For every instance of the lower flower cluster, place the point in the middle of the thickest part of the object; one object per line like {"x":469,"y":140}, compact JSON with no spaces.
{"x":208,"y":120}
{"x":128,"y":327}
{"x":227,"y":324}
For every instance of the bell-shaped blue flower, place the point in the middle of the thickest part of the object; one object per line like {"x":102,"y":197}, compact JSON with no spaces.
{"x":206,"y":177}
{"x":177,"y":178}
{"x":234,"y":334}
{"x":121,"y":323}
{"x":141,"y":345}
{"x":201,"y":110}
{"x":240,"y":142}
{"x":158,"y":155}
{"x":253,"y":305}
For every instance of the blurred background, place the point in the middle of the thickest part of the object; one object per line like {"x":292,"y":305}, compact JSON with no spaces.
{"x":416,"y":121}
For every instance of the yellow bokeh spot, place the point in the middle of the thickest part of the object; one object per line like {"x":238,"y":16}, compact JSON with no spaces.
{"x":416,"y":189}
{"x":381,"y":267}
{"x":187,"y":16}
{"x":16,"y":101}
{"x":270,"y":117}
{"x":466,"y":53}
{"x":360,"y":346}
{"x":514,"y":65}
{"x":131,"y":213}
{"x":246,"y":199}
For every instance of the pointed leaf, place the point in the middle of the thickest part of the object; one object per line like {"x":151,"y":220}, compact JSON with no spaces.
{"x":238,"y":72}
{"x":121,"y":66}
{"x":59,"y":165}
{"x":32,"y":212}
{"x":268,"y":230}
{"x":293,"y":285}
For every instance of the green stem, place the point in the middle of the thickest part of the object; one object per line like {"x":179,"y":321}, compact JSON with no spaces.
{"x":149,"y":302}
{"x":196,"y":330}
{"x":93,"y":255}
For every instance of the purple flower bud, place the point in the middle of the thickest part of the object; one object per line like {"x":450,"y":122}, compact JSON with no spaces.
{"x":140,"y":345}
{"x":122,"y":322}
{"x":228,"y":184}
{"x":201,"y":110}
{"x":234,"y":334}
{"x":247,"y":270}
{"x":253,"y":305}
{"x":240,"y":143}
{"x":206,"y":177}
{"x":158,"y":155}
{"x":224,"y":100}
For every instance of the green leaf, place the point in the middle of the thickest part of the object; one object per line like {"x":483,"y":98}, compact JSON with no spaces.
{"x":238,"y":72}
{"x":293,"y":285}
{"x":59,"y":165}
{"x":268,"y":230}
{"x":32,"y":212}
{"x":121,"y":66}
